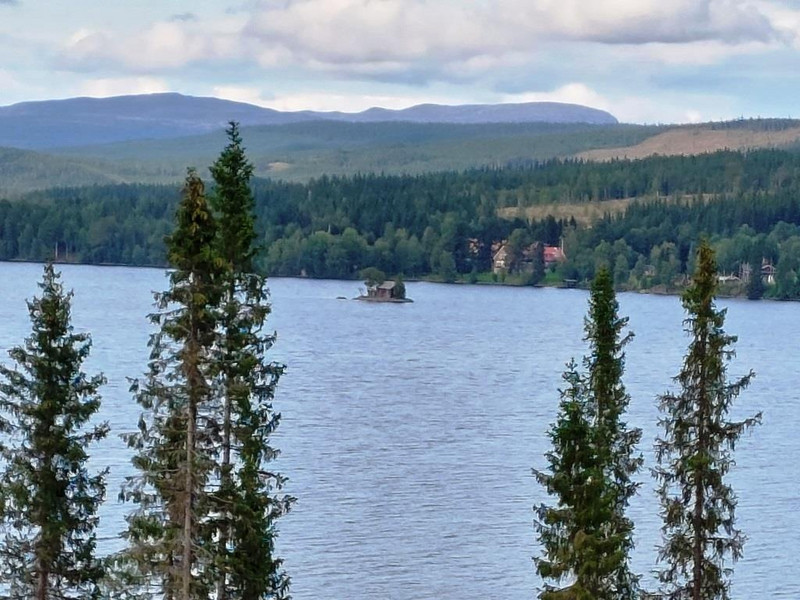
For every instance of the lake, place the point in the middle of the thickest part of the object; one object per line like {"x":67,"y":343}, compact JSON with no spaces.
{"x":409,"y":431}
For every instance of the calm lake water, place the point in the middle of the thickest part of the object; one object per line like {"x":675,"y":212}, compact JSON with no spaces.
{"x":409,"y":431}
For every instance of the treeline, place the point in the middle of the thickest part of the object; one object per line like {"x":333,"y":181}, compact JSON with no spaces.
{"x":653,"y":243}
{"x":445,"y":225}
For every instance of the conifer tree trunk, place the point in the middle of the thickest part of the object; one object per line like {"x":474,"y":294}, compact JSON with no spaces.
{"x":41,"y":584}
{"x":225,"y":466}
{"x":188,"y":530}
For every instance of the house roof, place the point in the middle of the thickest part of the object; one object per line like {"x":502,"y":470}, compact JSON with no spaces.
{"x":501,"y":253}
{"x":387,"y":285}
{"x":553,"y":254}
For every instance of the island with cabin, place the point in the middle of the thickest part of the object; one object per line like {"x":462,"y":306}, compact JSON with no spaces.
{"x":380,"y":290}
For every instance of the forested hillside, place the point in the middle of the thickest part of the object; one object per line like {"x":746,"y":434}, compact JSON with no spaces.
{"x":301,"y":151}
{"x":444,"y":225}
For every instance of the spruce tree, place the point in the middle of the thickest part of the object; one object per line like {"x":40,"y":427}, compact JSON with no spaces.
{"x":248,"y":501}
{"x":178,"y":432}
{"x":586,"y":537}
{"x":614,"y":442}
{"x":48,"y":497}
{"x":694,"y":456}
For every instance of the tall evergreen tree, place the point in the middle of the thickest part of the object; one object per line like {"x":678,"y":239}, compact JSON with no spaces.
{"x":48,"y":497}
{"x":614,"y":442}
{"x":694,"y":456}
{"x":248,"y":501}
{"x":586,"y":537}
{"x":178,"y":432}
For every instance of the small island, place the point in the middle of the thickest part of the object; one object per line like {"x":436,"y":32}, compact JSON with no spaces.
{"x":380,"y":290}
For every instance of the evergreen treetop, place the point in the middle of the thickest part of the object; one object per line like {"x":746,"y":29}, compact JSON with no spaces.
{"x":233,"y":203}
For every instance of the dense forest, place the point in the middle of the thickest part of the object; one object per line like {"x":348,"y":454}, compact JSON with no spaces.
{"x":445,"y":225}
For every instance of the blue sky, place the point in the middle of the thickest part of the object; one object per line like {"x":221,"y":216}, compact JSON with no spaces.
{"x":643,"y":60}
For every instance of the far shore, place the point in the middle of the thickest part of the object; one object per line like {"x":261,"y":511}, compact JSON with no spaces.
{"x":660,"y":290}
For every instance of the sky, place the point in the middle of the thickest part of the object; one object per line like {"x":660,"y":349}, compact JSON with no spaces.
{"x":645,"y":61}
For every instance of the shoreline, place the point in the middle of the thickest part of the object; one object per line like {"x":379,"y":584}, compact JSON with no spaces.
{"x":653,"y":291}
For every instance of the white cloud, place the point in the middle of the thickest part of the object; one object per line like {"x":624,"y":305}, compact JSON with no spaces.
{"x":316,"y":54}
{"x":162,"y":46}
{"x":355,"y":102}
{"x":702,"y":53}
{"x":9,"y":81}
{"x":646,"y":21}
{"x":365,"y":36}
{"x":667,"y":108}
{"x":101,"y":88}
{"x":250,"y":95}
{"x":417,"y":39}
{"x":572,"y":93}
{"x":784,"y":19}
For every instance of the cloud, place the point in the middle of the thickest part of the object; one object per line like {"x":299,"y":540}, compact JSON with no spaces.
{"x":164,"y":45}
{"x":670,"y":107}
{"x":416,"y":41}
{"x":344,"y":101}
{"x":8,"y":81}
{"x":784,"y":19}
{"x":366,"y":37}
{"x":572,"y":93}
{"x":9,"y":2}
{"x":250,"y":95}
{"x":183,"y":17}
{"x":315,"y":53}
{"x":117,"y":86}
{"x":646,"y":21}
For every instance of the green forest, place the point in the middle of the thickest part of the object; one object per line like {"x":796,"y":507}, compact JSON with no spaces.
{"x":443,"y":226}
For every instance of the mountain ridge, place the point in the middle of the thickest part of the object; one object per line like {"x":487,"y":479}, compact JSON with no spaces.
{"x":48,"y":124}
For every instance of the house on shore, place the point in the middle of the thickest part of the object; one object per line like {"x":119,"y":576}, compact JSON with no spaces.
{"x":501,"y":258}
{"x":503,"y":261}
{"x":553,"y":255}
{"x":767,"y":272}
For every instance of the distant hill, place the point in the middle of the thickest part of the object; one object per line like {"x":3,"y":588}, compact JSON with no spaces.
{"x":303,"y":150}
{"x":85,"y":121}
{"x":300,"y":151}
